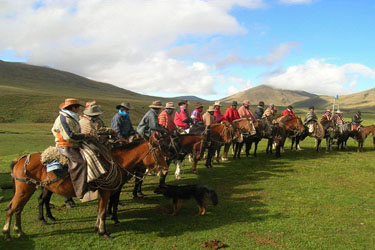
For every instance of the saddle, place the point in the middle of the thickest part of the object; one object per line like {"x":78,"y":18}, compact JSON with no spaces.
{"x":53,"y":160}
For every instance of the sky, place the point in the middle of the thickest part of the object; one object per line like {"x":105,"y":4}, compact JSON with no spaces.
{"x":207,"y":48}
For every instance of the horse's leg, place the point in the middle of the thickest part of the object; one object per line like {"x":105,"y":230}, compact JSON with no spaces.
{"x":210,"y":155}
{"x":293,"y":140}
{"x":46,"y":200}
{"x":179,"y":166}
{"x":115,"y":199}
{"x":40,"y":207}
{"x":256,"y":147}
{"x":248,"y":144}
{"x":102,"y":207}
{"x":218,"y":149}
{"x":139,"y":173}
{"x":317,"y":144}
{"x":22,"y":194}
{"x":225,"y":153}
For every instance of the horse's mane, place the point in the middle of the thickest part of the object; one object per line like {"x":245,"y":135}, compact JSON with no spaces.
{"x":127,"y":145}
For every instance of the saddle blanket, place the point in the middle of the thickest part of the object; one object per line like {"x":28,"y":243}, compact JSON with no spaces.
{"x":54,"y":165}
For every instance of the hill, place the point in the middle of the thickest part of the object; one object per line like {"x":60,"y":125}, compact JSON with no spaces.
{"x":361,"y":100}
{"x":31,"y":93}
{"x":190,"y":98}
{"x":279,"y":97}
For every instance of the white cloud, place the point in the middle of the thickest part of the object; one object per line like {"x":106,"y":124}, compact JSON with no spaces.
{"x":232,"y":90}
{"x":128,"y":43}
{"x":318,"y":76}
{"x":274,"y":56}
{"x":295,"y":1}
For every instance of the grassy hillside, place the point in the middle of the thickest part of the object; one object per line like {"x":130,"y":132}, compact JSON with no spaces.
{"x":32,"y":94}
{"x":279,"y":97}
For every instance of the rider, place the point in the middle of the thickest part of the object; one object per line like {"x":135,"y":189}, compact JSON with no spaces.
{"x":270,"y":112}
{"x":68,"y":136}
{"x":181,"y":117}
{"x":121,"y":121}
{"x":339,"y":121}
{"x":310,"y":119}
{"x":289,"y":111}
{"x":196,"y":115}
{"x":327,"y":116}
{"x":149,"y":123}
{"x":165,"y":118}
{"x":259,"y":110}
{"x":90,"y":120}
{"x":219,"y":117}
{"x":245,"y":112}
{"x":356,"y":121}
{"x":231,"y":113}
{"x":208,"y":117}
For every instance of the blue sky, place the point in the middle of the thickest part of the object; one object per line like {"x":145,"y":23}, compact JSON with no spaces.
{"x":210,"y":48}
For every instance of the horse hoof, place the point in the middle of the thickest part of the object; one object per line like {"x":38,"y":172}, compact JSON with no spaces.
{"x":7,"y":237}
{"x":195,"y":172}
{"x":44,"y":222}
{"x":107,"y":237}
{"x":21,"y":235}
{"x":51,"y":218}
{"x":117,"y":223}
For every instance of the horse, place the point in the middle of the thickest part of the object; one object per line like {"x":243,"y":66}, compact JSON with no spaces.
{"x":28,"y":172}
{"x":288,"y":127}
{"x":318,"y":134}
{"x":361,"y":134}
{"x":329,"y":134}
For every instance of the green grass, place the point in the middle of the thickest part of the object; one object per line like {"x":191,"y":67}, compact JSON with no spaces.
{"x":304,"y":200}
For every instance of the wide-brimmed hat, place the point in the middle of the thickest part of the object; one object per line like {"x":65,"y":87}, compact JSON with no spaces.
{"x":290,"y":107}
{"x":311,"y":107}
{"x":93,"y":110}
{"x":183,"y":102}
{"x":234,"y":103}
{"x":328,"y":110}
{"x":338,"y":111}
{"x":124,"y":105}
{"x":261,"y":103}
{"x":156,"y":105}
{"x":246,"y":102}
{"x":217,"y":103}
{"x":211,"y":109}
{"x":69,"y":102}
{"x":198,"y":105}
{"x":169,"y":105}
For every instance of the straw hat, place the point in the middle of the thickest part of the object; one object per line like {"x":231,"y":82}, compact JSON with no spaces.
{"x":246,"y":102}
{"x":338,"y":111}
{"x":217,"y":103}
{"x":156,"y":105}
{"x":198,"y":105}
{"x":169,"y":105}
{"x":124,"y":105}
{"x":69,"y":102}
{"x":93,"y":110}
{"x":211,"y":109}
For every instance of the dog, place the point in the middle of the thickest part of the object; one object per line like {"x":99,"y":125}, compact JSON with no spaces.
{"x":178,"y":193}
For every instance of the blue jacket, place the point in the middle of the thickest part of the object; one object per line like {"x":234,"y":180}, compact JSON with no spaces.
{"x":122,"y":125}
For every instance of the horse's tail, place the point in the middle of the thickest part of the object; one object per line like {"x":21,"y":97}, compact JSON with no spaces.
{"x":213,"y":197}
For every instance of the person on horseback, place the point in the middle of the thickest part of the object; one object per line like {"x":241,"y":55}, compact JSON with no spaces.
{"x":339,"y":121}
{"x":356,"y":121}
{"x":67,"y":133}
{"x":196,"y":115}
{"x":121,"y":122}
{"x":165,"y":118}
{"x":245,"y":112}
{"x":149,"y":122}
{"x":327,"y":116}
{"x":208,"y":117}
{"x":311,"y":119}
{"x":270,"y":112}
{"x":289,"y":111}
{"x":259,"y":110}
{"x":218,"y":116}
{"x":90,"y":120}
{"x":181,"y":117}
{"x":231,"y":113}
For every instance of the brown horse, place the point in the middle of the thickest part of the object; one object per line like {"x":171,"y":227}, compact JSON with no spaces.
{"x":289,"y":127}
{"x":28,"y":172}
{"x":362,"y":134}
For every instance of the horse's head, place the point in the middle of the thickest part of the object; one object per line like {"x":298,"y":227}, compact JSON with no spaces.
{"x":241,"y":126}
{"x":154,"y":159}
{"x":222,"y":132}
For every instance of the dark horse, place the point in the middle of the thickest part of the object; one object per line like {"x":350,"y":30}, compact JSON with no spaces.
{"x":329,"y":134}
{"x":288,"y":127}
{"x":28,"y":173}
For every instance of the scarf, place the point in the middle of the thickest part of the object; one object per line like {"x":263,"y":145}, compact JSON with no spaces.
{"x":71,"y":114}
{"x":122,"y":113}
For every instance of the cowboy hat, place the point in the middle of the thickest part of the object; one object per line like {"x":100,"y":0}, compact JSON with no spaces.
{"x":183,"y":102}
{"x":311,"y":107}
{"x":328,"y":110}
{"x":261,"y":103}
{"x":198,"y":105}
{"x":234,"y":103}
{"x":69,"y":102}
{"x":290,"y":107}
{"x":217,"y":103}
{"x":211,"y":109}
{"x":169,"y":105}
{"x":156,"y":105}
{"x":246,"y":102}
{"x":93,"y":110}
{"x":338,"y":111}
{"x":124,"y":105}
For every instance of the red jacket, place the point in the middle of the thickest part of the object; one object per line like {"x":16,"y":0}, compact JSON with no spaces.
{"x":288,"y":112}
{"x":219,"y":117}
{"x":231,"y":114}
{"x":179,"y":116}
{"x":166,"y":120}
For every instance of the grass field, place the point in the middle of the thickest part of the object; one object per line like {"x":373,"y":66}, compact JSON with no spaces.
{"x":304,"y":200}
